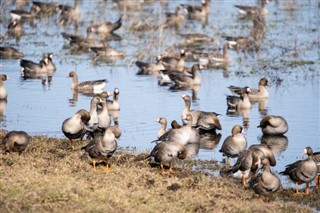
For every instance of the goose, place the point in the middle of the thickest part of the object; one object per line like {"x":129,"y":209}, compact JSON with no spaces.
{"x":196,"y":38}
{"x":68,"y":14}
{"x":243,"y":43}
{"x":163,"y":129}
{"x":15,"y":29}
{"x":10,"y":53}
{"x":94,"y":86}
{"x":94,"y":120}
{"x":316,"y":158}
{"x":21,"y":14}
{"x":30,"y":68}
{"x":266,"y":183}
{"x":235,"y":102}
{"x":150,"y":68}
{"x":106,"y":53}
{"x":15,"y":141}
{"x":102,"y":148}
{"x":174,"y":19}
{"x":252,"y":11}
{"x":302,"y":171}
{"x":3,"y":91}
{"x":200,"y":119}
{"x":261,"y":92}
{"x":76,"y":126}
{"x":258,"y":29}
{"x":235,"y":143}
{"x":166,"y":152}
{"x":216,"y":59}
{"x":46,"y":8}
{"x":113,"y":104}
{"x":273,"y":125}
{"x":107,"y":27}
{"x":51,"y":67}
{"x":104,"y":119}
{"x":195,"y":12}
{"x":173,"y":62}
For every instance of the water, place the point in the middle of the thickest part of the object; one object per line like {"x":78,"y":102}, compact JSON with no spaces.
{"x":292,"y":35}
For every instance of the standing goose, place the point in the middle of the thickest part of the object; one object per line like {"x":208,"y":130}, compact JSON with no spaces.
{"x":76,"y":127}
{"x":104,"y":119}
{"x":114,"y":103}
{"x":173,"y":19}
{"x":175,"y":63}
{"x":15,"y":141}
{"x":15,"y":29}
{"x":94,"y":86}
{"x":265,"y":183}
{"x":273,"y":125}
{"x":163,"y":128}
{"x":10,"y":53}
{"x":3,"y":91}
{"x":166,"y":152}
{"x":316,"y":158}
{"x":94,"y":121}
{"x":261,"y":92}
{"x":235,"y":143}
{"x":200,"y":119}
{"x":238,"y":103}
{"x":102,"y":147}
{"x":302,"y":171}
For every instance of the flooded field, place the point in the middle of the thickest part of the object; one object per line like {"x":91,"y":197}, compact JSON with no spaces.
{"x":288,"y":57}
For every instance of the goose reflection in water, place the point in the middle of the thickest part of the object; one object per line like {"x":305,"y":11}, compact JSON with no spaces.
{"x":3,"y":106}
{"x":193,"y":88}
{"x":209,"y":141}
{"x":244,"y":113}
{"x":276,"y":143}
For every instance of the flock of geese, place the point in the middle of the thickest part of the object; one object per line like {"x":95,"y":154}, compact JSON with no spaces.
{"x":170,"y":69}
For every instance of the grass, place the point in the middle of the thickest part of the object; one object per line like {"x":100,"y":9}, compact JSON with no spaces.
{"x":48,"y":177}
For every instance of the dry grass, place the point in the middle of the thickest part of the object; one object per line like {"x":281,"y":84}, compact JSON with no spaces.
{"x":48,"y":177}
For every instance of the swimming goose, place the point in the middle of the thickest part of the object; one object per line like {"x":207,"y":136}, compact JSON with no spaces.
{"x":174,"y":63}
{"x":10,"y":53}
{"x":201,"y":119}
{"x":235,"y":102}
{"x":182,"y":80}
{"x":163,"y":128}
{"x":181,"y":135}
{"x":273,"y":125}
{"x":166,"y":152}
{"x":107,"y":27}
{"x":51,"y":67}
{"x":3,"y":91}
{"x":30,"y":68}
{"x":106,"y":53}
{"x":76,"y":127}
{"x":252,"y":11}
{"x":94,"y":86}
{"x":15,"y":141}
{"x":174,"y":19}
{"x":197,"y":12}
{"x":316,"y":158}
{"x":196,"y":38}
{"x":102,"y":147}
{"x":302,"y":171}
{"x":21,"y":14}
{"x":266,"y":183}
{"x":150,"y":68}
{"x":261,"y":92}
{"x":235,"y":143}
{"x":216,"y":59}
{"x":241,"y":43}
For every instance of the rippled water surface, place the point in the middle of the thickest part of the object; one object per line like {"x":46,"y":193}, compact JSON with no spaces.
{"x":292,"y":35}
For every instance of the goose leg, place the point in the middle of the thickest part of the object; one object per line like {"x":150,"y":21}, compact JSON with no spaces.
{"x":297,"y":188}
{"x":72,"y":144}
{"x":307,"y":188}
{"x":94,"y":165}
{"x":170,"y":168}
{"x":317,"y":181}
{"x":107,"y":166}
{"x":244,"y":182}
{"x":162,"y":170}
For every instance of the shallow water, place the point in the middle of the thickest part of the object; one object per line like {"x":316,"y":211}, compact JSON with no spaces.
{"x":292,"y":35}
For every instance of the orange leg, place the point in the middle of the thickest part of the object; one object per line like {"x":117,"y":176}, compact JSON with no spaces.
{"x":107,"y":166}
{"x":170,"y":168}
{"x":94,"y":165}
{"x":162,"y":170}
{"x":244,"y":182}
{"x":72,"y":144}
{"x":297,"y":188}
{"x":307,"y":188}
{"x":317,"y":181}
{"x":261,"y":199}
{"x":270,"y":198}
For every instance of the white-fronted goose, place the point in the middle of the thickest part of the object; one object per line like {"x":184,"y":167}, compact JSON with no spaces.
{"x":104,"y":119}
{"x":200,"y":119}
{"x":15,"y":29}
{"x":243,"y":102}
{"x":15,"y":141}
{"x":21,"y":14}
{"x":235,"y":143}
{"x":69,"y":14}
{"x":252,"y":11}
{"x":216,"y":59}
{"x":273,"y":125}
{"x":94,"y":121}
{"x":29,"y":68}
{"x":316,"y":158}
{"x":196,"y":38}
{"x":174,"y":19}
{"x":258,"y":29}
{"x":254,"y":94}
{"x":107,"y":27}
{"x":51,"y":67}
{"x":113,"y":104}
{"x":76,"y":127}
{"x":166,"y":152}
{"x":302,"y":171}
{"x":266,"y":183}
{"x":106,"y":54}
{"x":241,"y":43}
{"x":102,"y":148}
{"x":10,"y":53}
{"x":150,"y":68}
{"x":163,"y":129}
{"x":182,"y":80}
{"x":174,"y":63}
{"x":3,"y":91}
{"x":128,"y":5}
{"x":46,"y":8}
{"x":196,"y":12}
{"x":94,"y":86}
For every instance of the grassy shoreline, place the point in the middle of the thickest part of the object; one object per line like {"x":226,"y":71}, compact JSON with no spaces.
{"x":48,"y":177}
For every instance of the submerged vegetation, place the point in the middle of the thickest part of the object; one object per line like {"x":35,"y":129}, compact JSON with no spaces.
{"x":49,"y":177}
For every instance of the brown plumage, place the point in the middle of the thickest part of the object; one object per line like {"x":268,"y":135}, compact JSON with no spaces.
{"x":15,"y":141}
